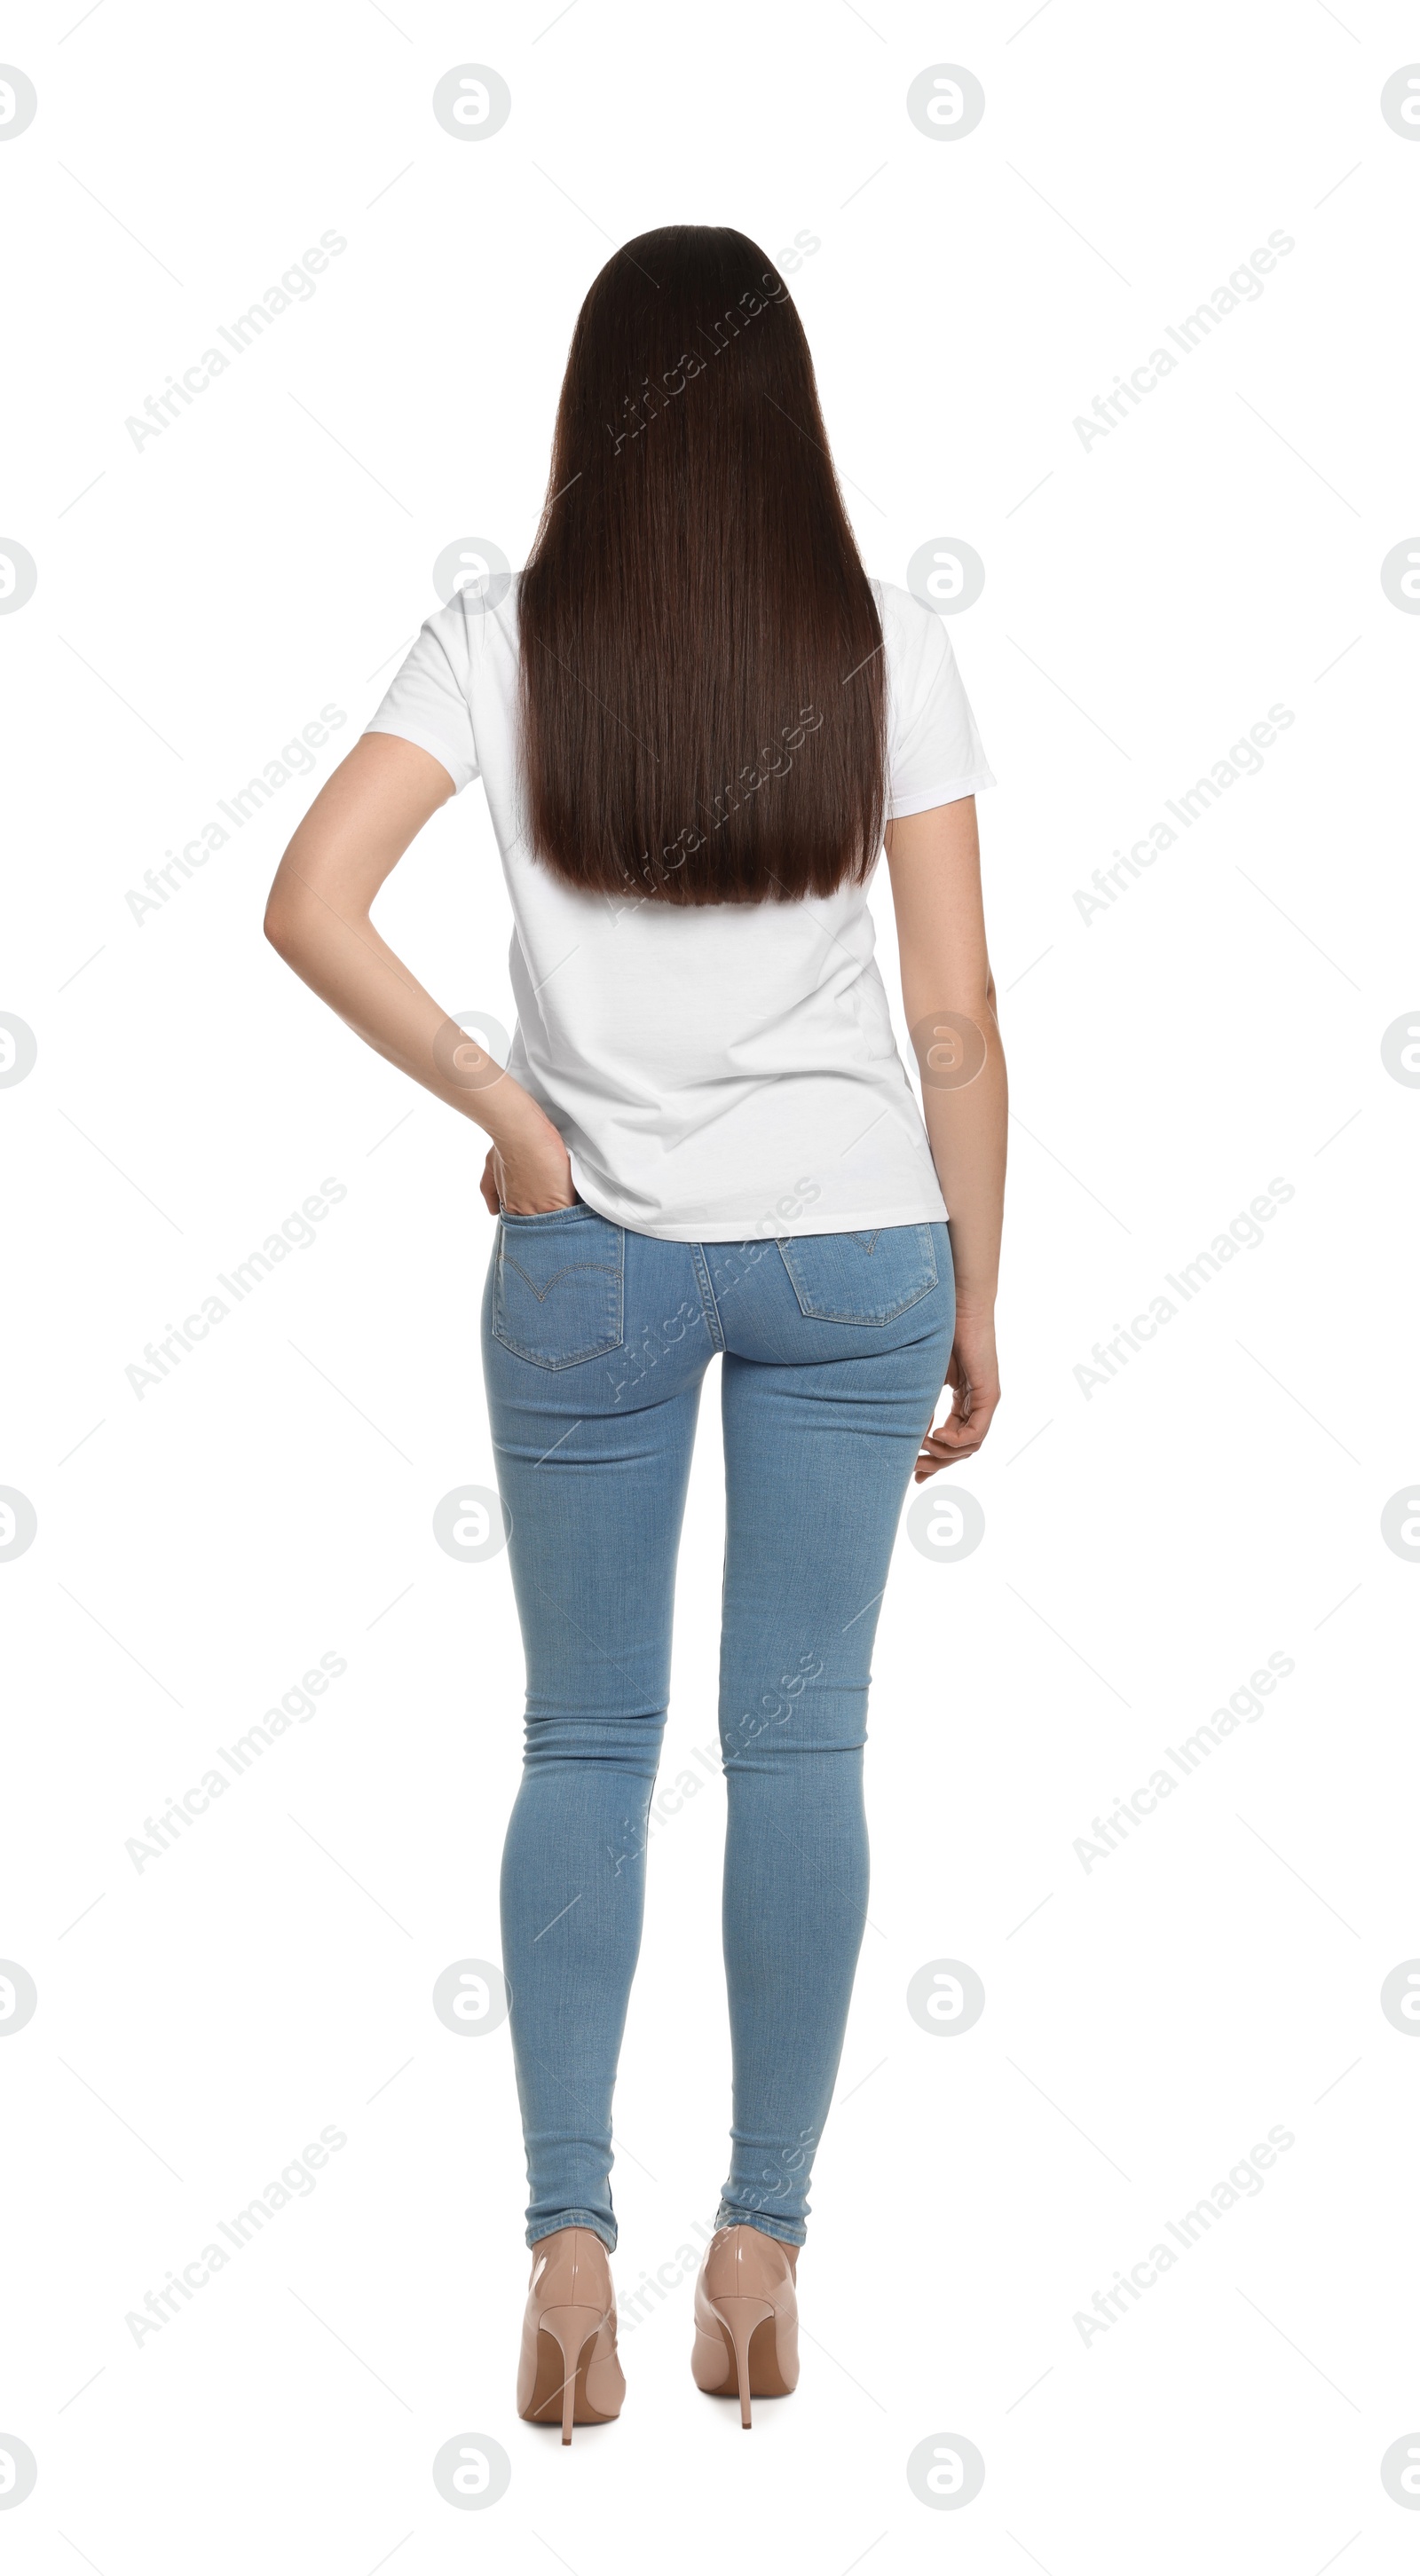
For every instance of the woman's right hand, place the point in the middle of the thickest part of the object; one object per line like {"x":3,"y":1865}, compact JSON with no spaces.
{"x":974,"y":1381}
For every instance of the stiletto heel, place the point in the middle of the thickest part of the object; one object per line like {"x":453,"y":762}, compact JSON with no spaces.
{"x":569,"y":2371}
{"x":738,"y":2320}
{"x":574,"y":2331}
{"x":746,"y":2318}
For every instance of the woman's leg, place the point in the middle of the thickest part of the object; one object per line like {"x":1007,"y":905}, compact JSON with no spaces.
{"x":593,"y":1459}
{"x":823,"y":1421}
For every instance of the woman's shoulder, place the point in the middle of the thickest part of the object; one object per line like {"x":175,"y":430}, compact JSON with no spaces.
{"x":894,"y":602}
{"x":909,"y":623}
{"x":477,"y":625}
{"x":914,"y":638}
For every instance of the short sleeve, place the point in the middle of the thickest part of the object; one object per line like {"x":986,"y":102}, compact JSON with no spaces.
{"x":934,"y":749}
{"x":428,"y":701}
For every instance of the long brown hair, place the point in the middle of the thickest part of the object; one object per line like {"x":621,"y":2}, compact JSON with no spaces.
{"x":702,"y":685}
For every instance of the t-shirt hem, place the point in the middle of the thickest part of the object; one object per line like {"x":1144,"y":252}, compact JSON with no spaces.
{"x":733,"y":1229}
{"x":424,"y":739}
{"x":920,"y":800}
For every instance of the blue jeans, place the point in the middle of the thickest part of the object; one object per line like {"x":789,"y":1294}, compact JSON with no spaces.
{"x":595,"y":1344}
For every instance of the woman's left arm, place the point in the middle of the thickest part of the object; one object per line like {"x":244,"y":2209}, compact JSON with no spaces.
{"x":949,"y":996}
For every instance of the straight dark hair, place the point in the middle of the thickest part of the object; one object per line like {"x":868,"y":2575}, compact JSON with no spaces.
{"x":702,"y":689}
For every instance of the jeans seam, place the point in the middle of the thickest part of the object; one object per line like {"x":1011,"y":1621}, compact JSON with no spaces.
{"x":576,"y":2218}
{"x":579,"y":1359}
{"x":614,"y":1340}
{"x":783,"y":2236}
{"x":707,"y":1296}
{"x":871,"y":1323}
{"x":560,"y":2131}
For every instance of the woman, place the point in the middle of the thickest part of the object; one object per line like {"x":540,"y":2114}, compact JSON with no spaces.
{"x":693,"y":715}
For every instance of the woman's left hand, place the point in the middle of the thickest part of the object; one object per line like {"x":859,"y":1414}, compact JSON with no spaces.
{"x":974,"y":1380}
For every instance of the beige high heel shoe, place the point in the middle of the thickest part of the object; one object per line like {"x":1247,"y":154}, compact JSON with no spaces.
{"x":746,"y":2318}
{"x":568,"y":2366}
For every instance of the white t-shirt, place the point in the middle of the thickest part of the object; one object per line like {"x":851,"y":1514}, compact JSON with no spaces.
{"x":716,"y":1071}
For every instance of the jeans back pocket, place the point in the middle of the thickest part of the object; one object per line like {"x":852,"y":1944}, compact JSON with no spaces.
{"x":861,"y":1278}
{"x":557,"y":1286}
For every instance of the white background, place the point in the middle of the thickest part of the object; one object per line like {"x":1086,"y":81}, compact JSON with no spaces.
{"x":1147,"y":599}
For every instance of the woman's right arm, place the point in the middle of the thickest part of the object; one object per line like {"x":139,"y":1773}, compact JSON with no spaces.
{"x":948,"y":994}
{"x":318,"y":919}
